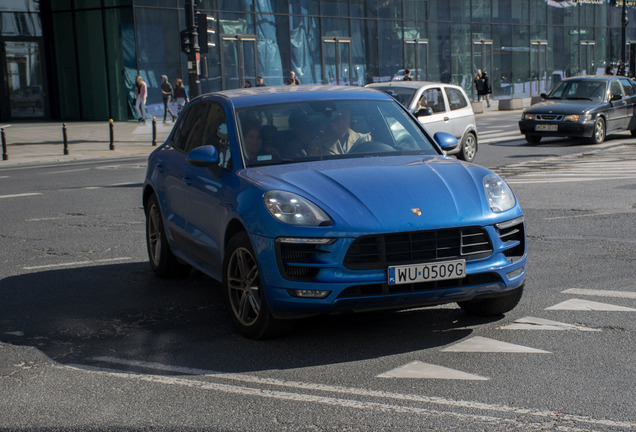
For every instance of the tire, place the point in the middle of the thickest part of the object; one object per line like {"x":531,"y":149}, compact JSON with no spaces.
{"x":469,"y":147}
{"x":161,"y":258}
{"x":534,"y":139}
{"x":494,"y":305}
{"x":633,"y":132}
{"x":243,"y":289}
{"x":598,"y":136}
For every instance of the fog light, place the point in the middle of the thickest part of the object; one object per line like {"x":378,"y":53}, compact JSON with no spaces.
{"x":309,"y":293}
{"x":513,"y":274}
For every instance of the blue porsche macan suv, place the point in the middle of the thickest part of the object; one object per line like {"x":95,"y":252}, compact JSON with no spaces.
{"x":302,"y":200}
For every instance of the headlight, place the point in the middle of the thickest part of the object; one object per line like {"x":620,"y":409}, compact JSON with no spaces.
{"x":499,"y":194}
{"x":527,"y":116}
{"x":293,"y":209}
{"x":577,"y":117}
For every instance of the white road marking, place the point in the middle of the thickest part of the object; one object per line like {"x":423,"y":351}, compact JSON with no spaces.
{"x":601,"y":293}
{"x":124,"y":184}
{"x":4,"y":177}
{"x":20,"y":195}
{"x":77,"y":263}
{"x":482,"y":344}
{"x":530,"y":323}
{"x":420,"y":370}
{"x":453,"y":404}
{"x":65,"y":171}
{"x":586,"y":305}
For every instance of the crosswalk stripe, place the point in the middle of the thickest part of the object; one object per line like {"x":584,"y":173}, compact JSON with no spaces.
{"x":418,"y":369}
{"x":586,"y":305}
{"x":530,"y":323}
{"x":601,"y":293}
{"x":482,"y":344}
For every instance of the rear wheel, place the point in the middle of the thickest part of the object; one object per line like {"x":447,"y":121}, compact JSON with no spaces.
{"x":162,"y":260}
{"x":534,"y":139}
{"x":493,"y":306}
{"x":598,"y":136}
{"x":244,"y":292}
{"x":469,"y":147}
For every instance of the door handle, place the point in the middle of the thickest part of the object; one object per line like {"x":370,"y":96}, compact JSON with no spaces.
{"x":188,"y":181}
{"x":160,"y":167}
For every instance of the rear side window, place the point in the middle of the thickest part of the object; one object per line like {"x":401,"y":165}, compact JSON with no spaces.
{"x":628,"y":86}
{"x":456,"y":99}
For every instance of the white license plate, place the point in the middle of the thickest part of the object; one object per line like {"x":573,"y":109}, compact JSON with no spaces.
{"x":415,"y":273}
{"x":546,"y":127}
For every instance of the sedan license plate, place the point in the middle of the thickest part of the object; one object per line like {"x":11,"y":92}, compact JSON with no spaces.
{"x":546,"y":127}
{"x":415,"y":273}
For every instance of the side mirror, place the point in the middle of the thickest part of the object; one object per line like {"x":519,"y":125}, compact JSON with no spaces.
{"x":203,"y":156}
{"x":543,"y":96}
{"x":445,"y":140}
{"x":426,"y":111}
{"x":616,"y":97}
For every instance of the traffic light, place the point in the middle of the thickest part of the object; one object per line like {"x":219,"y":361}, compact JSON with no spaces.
{"x":204,"y":29}
{"x":186,"y":44}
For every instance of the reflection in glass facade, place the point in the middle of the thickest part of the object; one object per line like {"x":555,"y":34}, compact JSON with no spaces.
{"x":97,"y":47}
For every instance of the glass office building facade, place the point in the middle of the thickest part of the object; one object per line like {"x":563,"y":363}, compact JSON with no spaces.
{"x":77,"y":59}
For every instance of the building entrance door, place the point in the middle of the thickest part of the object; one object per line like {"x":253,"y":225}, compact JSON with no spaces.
{"x":482,"y":59}
{"x":416,"y":55}
{"x":239,"y":60}
{"x":538,"y":67}
{"x":26,"y":90}
{"x":586,"y":58}
{"x":336,"y":61}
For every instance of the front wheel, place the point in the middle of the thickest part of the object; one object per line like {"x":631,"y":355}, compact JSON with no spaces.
{"x":493,"y":306}
{"x":469,"y":147}
{"x":244,"y":292}
{"x":598,"y":136}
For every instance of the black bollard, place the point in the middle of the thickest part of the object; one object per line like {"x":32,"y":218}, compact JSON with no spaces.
{"x":112,"y":134}
{"x":65,"y":138}
{"x":5,"y":156}
{"x":154,"y":131}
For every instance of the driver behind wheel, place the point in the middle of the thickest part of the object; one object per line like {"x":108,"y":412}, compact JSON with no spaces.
{"x":339,"y":138}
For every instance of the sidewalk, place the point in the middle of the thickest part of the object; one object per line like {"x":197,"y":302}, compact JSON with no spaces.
{"x":42,"y":143}
{"x":37,"y":143}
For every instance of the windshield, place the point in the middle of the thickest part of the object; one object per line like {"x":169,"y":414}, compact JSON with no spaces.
{"x":338,"y":129}
{"x":580,"y":89}
{"x":403,"y":95}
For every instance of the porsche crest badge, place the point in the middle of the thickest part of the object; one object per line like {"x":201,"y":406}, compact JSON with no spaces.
{"x":417,"y":212}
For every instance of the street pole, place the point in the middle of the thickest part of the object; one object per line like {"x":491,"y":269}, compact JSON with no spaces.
{"x":623,"y":33}
{"x":194,"y":56}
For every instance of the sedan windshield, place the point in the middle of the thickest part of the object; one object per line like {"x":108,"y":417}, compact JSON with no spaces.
{"x":316,"y":130}
{"x":580,"y":90}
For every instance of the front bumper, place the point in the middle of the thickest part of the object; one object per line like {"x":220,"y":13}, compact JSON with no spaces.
{"x":368,"y":289}
{"x":568,"y":129}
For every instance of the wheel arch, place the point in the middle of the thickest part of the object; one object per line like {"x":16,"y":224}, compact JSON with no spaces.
{"x":234,"y":227}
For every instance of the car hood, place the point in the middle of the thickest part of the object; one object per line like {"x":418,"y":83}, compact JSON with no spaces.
{"x":399,"y":193}
{"x":564,"y":106}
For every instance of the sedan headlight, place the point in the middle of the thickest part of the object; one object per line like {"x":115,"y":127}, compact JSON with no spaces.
{"x":577,"y":117}
{"x":499,"y":194}
{"x":293,"y":209}
{"x":527,"y":116}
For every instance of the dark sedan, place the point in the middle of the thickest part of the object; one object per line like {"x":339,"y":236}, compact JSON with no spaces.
{"x":583,"y":107}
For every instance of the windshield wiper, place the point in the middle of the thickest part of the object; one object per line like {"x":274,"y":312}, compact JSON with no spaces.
{"x":580,"y":98}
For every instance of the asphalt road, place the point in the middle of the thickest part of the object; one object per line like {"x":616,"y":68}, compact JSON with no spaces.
{"x":91,"y":340}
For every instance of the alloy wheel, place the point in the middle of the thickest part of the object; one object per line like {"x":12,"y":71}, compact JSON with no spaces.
{"x":243,"y":285}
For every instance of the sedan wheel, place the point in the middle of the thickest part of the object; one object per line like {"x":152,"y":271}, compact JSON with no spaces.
{"x":598,"y":136}
{"x":244,"y":292}
{"x":469,"y":148}
{"x":162,"y":261}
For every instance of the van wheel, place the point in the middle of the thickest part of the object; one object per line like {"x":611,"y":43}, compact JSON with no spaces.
{"x":469,"y":147}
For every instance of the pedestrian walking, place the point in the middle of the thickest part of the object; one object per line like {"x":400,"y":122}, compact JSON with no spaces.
{"x":478,"y":82}
{"x":248,"y":84}
{"x":180,"y":94}
{"x":141,"y":93}
{"x":166,"y":93}
{"x":407,"y":75}
{"x":292,"y":79}
{"x":260,"y":82}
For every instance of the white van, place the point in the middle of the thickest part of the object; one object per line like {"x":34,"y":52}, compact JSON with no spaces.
{"x":439,"y":107}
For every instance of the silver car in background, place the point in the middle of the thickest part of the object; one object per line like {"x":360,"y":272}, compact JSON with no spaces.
{"x":439,"y":107}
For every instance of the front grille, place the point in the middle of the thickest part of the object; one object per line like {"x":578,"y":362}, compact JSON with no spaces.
{"x":386,"y":289}
{"x":550,"y":117}
{"x":515,"y":238}
{"x":383,"y":250}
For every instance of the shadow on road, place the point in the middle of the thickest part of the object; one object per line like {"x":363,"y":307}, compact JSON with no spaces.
{"x":124,"y":311}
